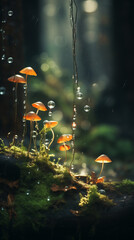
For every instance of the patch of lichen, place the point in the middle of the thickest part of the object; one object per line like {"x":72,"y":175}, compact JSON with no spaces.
{"x":93,"y":202}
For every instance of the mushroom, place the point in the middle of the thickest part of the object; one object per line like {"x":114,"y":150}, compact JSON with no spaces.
{"x":62,"y":139}
{"x":103,"y":159}
{"x":65,"y":148}
{"x":28,"y":71}
{"x":40,"y":107}
{"x":16,"y":79}
{"x":50,"y":125}
{"x":32,"y":117}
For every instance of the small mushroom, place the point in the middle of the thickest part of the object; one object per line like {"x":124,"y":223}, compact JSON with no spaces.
{"x":103,"y":159}
{"x":62,"y":139}
{"x":27,"y":71}
{"x":50,"y":125}
{"x":16,"y":79}
{"x":40,"y":107}
{"x":32,"y":117}
{"x":65,"y":148}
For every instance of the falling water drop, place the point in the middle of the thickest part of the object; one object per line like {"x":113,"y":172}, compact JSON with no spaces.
{"x":46,"y":142}
{"x":28,"y":192}
{"x":72,"y":167}
{"x":74,"y":125}
{"x":13,"y":89}
{"x":16,"y":137}
{"x":48,"y":198}
{"x":10,"y":13}
{"x":2,"y":90}
{"x":15,"y":100}
{"x":3,"y":57}
{"x":86,"y":108}
{"x":49,"y":113}
{"x":51,"y":104}
{"x":24,"y":102}
{"x":2,"y":209}
{"x":79,"y":95}
{"x":3,"y":21}
{"x":38,"y":182}
{"x":66,"y":188}
{"x":10,"y":60}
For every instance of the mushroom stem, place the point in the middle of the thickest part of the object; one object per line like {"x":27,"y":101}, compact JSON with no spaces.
{"x":36,"y":124}
{"x":24,"y":128}
{"x":101,"y":169}
{"x":65,"y":154}
{"x":31,"y":131}
{"x":52,"y":138}
{"x":16,"y":86}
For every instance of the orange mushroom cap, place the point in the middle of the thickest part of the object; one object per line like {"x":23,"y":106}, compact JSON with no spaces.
{"x":103,"y":159}
{"x":64,"y":147}
{"x":28,"y":71}
{"x":50,"y":124}
{"x":64,"y":138}
{"x":32,"y":116}
{"x":17,"y":79}
{"x":40,"y":106}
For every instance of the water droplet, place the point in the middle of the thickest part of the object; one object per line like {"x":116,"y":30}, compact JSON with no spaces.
{"x":78,"y":89}
{"x":10,"y":13}
{"x":66,"y":188}
{"x":51,"y":104}
{"x":102,"y":191}
{"x":38,"y":182}
{"x":3,"y":57}
{"x":16,"y":137}
{"x":2,"y":209}
{"x":72,"y":143}
{"x":25,"y":86}
{"x":48,"y":198}
{"x":46,"y":142}
{"x":15,"y":100}
{"x":13,"y":89}
{"x":28,"y":192}
{"x":37,"y":169}
{"x":29,"y":172}
{"x":72,"y":167}
{"x":2,"y":90}
{"x":79,"y":95}
{"x":74,"y":125}
{"x":86,"y":108}
{"x":24,"y":102}
{"x":49,"y":113}
{"x":10,"y":60}
{"x":25,"y":107}
{"x":3,"y":21}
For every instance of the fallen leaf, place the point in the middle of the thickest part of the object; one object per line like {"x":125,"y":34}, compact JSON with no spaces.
{"x":56,"y":188}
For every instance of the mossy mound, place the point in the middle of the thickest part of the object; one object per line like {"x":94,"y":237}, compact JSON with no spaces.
{"x":46,"y":193}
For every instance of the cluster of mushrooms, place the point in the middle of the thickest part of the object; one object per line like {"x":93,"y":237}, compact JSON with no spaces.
{"x":48,"y":125}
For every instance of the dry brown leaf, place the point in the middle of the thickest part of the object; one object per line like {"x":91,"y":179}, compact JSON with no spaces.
{"x":56,"y":188}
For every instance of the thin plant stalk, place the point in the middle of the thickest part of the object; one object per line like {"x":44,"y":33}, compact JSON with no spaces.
{"x":36,"y":124}
{"x":52,"y":138}
{"x":15,"y":111}
{"x":31,"y":131}
{"x":101,"y":169}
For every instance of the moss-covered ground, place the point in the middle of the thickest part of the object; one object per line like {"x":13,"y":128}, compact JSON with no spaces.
{"x":46,"y":190}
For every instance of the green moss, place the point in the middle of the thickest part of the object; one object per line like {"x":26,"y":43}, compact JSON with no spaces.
{"x":93,"y":202}
{"x":126,"y":186}
{"x":4,"y":223}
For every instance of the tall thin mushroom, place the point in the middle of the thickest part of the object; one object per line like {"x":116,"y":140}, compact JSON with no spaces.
{"x":16,"y":79}
{"x":32,"y":117}
{"x":103,"y":159}
{"x":27,"y":71}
